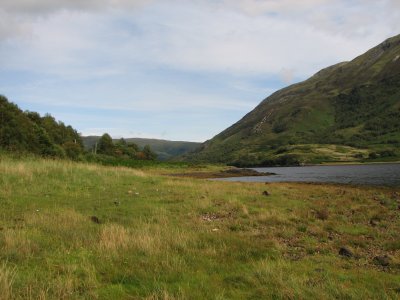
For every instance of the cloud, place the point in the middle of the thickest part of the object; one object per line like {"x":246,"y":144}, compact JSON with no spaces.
{"x":17,"y":18}
{"x":42,"y":7}
{"x":224,"y":36}
{"x":287,"y":75}
{"x":257,"y":7}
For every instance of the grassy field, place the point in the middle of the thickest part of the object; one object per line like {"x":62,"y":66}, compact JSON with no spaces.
{"x":80,"y":231}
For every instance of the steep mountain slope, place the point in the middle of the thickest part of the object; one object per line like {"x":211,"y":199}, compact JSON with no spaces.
{"x":356,"y":104}
{"x":164,"y":149}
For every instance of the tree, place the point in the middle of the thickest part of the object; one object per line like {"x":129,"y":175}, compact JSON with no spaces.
{"x":121,"y":143}
{"x":148,"y":153}
{"x":106,"y":145}
{"x":72,"y":150}
{"x":29,"y":132}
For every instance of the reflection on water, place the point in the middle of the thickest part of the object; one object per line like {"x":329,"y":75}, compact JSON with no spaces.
{"x":374,"y":174}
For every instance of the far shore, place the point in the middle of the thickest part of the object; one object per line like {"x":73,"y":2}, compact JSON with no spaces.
{"x":228,"y":173}
{"x":345,"y":163}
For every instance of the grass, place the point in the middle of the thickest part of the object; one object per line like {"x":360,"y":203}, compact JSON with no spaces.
{"x":80,"y":231}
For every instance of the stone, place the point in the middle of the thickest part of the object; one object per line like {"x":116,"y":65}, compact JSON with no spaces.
{"x":382,"y":260}
{"x":344,"y":251}
{"x":95,"y":219}
{"x":374,"y":222}
{"x":322,"y":214}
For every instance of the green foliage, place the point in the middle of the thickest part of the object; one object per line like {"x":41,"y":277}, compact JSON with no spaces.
{"x":119,"y":153}
{"x":125,"y":149}
{"x":148,"y":153}
{"x":72,"y":150}
{"x":30,"y":133}
{"x":105,"y":145}
{"x":107,"y":160}
{"x":165,"y":150}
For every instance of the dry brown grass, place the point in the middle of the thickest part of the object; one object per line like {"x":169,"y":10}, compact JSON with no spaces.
{"x":17,"y":242}
{"x":67,"y":285}
{"x":20,"y":169}
{"x":147,"y":238}
{"x":68,"y":218}
{"x":114,"y":237}
{"x":7,"y":275}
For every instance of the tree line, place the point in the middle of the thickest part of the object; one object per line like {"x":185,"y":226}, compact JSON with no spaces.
{"x":122,"y":149}
{"x":29,"y":132}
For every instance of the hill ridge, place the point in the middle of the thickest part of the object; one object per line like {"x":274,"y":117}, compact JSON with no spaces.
{"x":308,"y":113}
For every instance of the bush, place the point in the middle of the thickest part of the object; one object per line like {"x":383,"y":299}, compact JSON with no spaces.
{"x":387,"y":153}
{"x":373,"y":155}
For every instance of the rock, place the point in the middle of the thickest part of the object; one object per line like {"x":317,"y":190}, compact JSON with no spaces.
{"x":95,"y":219}
{"x":382,"y":260}
{"x":374,"y":222}
{"x":319,"y":270}
{"x":266,"y":193}
{"x":322,"y":214}
{"x":344,"y":251}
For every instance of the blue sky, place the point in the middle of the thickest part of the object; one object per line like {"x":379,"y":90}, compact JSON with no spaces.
{"x":178,"y":70}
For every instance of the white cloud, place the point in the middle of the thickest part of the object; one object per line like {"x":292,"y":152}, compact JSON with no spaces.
{"x":42,"y":7}
{"x":257,"y":7}
{"x":87,"y":41}
{"x":287,"y":75}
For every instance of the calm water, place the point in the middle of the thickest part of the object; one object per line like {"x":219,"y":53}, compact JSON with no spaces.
{"x":376,"y":174}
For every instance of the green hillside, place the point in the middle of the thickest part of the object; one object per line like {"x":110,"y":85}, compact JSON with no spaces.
{"x":28,"y":132}
{"x":164,"y":149}
{"x":347,"y":112}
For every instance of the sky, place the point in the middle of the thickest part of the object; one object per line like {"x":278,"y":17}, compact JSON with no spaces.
{"x":176,"y":69}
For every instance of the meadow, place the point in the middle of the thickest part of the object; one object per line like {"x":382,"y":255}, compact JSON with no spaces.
{"x":85,"y":231}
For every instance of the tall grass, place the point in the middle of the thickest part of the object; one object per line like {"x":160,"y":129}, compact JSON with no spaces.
{"x":7,"y":276}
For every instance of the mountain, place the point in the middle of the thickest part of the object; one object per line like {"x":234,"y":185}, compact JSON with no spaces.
{"x":164,"y":149}
{"x":347,"y":112}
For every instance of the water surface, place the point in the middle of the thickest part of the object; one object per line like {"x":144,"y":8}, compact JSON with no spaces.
{"x":373,"y":174}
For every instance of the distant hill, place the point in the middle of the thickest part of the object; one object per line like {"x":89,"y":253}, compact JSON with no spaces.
{"x":164,"y":149}
{"x":347,"y":112}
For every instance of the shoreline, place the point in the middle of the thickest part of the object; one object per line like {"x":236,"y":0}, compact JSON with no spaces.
{"x":229,"y":173}
{"x":332,"y":164}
